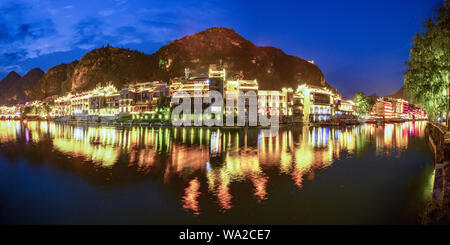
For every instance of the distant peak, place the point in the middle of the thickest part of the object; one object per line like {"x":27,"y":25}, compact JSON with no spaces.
{"x":10,"y":78}
{"x":219,"y":29}
{"x":13,"y":73}
{"x":35,"y":70}
{"x":216,"y":32}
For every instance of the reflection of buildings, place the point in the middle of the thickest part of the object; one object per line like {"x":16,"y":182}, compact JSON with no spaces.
{"x":192,"y":192}
{"x":10,"y":131}
{"x":391,"y":138}
{"x":209,"y":161}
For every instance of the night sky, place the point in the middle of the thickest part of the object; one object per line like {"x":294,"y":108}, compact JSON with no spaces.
{"x":359,"y":45}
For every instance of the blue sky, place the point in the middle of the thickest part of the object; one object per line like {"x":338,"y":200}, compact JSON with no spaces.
{"x":359,"y":45}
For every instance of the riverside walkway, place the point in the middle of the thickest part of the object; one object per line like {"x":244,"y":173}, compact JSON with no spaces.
{"x":438,"y":209}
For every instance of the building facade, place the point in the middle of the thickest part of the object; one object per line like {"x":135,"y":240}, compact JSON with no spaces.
{"x":317,"y":102}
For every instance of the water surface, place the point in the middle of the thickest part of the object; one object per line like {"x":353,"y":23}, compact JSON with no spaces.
{"x":59,"y":174}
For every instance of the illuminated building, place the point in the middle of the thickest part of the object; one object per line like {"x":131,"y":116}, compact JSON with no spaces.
{"x":417,"y":113}
{"x":194,"y":86}
{"x":216,"y":83}
{"x":317,"y":102}
{"x":383,"y":108}
{"x":62,"y":106}
{"x":297,"y":107}
{"x":143,"y":93}
{"x":400,"y":107}
{"x":213,"y":73}
{"x":392,"y":108}
{"x":199,"y":87}
{"x":287,"y":102}
{"x":191,"y":89}
{"x":405,"y":107}
{"x":346,"y":107}
{"x":308,"y":103}
{"x":126,"y":101}
{"x":9,"y":112}
{"x":112,"y":105}
{"x":100,"y":101}
{"x":96,"y":103}
{"x":232,"y":90}
{"x":80,"y":104}
{"x":217,"y":80}
{"x":269,"y":102}
{"x":275,"y":102}
{"x":145,"y":96}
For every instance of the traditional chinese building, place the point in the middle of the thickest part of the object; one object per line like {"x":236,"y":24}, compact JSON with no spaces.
{"x":317,"y":102}
{"x":63,"y":106}
{"x":142,"y":98}
{"x":346,"y":108}
{"x":383,"y":108}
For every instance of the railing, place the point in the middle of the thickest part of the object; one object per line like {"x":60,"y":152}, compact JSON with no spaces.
{"x":441,"y":147}
{"x":437,"y":209}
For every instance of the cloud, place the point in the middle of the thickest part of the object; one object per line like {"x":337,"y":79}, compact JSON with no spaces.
{"x":30,"y":29}
{"x":106,"y":12}
{"x":15,"y":56}
{"x":6,"y":69}
{"x":18,"y":30}
{"x":121,"y":2}
{"x":88,"y":31}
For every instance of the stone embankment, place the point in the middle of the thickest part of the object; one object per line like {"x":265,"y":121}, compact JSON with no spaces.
{"x":437,"y":211}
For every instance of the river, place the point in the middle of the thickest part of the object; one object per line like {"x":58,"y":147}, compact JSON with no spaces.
{"x":60,"y":174}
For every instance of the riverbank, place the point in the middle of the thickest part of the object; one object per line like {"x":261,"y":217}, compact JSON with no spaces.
{"x":119,"y":124}
{"x":165,"y":124}
{"x":438,"y":209}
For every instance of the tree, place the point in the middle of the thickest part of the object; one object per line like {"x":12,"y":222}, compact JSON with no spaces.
{"x":163,"y":108}
{"x":427,"y":75}
{"x":363,"y":103}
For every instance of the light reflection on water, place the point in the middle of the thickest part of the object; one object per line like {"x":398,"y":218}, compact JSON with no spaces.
{"x":211,"y":160}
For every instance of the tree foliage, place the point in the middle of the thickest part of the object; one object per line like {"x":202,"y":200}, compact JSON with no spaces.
{"x":427,"y":75}
{"x":363,"y":103}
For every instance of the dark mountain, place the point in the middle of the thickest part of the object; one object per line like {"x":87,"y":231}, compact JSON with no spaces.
{"x":221,"y":46}
{"x":9,"y":80}
{"x":270,"y":66}
{"x":15,"y":89}
{"x":116,"y":65}
{"x":57,"y":80}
